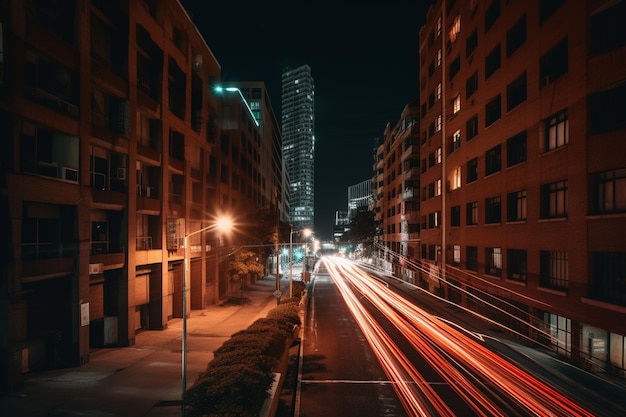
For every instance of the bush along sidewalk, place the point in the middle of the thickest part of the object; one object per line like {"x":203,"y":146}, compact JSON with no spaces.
{"x":236,"y":382}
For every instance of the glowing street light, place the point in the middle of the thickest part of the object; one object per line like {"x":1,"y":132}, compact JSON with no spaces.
{"x":223,"y":224}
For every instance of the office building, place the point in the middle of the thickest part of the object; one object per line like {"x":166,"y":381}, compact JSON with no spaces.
{"x":523,"y":202}
{"x":298,"y":130}
{"x":359,"y":195}
{"x":116,"y":147}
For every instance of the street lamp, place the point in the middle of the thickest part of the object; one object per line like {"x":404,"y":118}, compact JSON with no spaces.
{"x":223,"y":224}
{"x":291,"y":261}
{"x":306,"y":233}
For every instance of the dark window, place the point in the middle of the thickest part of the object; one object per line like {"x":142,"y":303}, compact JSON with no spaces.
{"x":431,"y":68}
{"x":516,"y":206}
{"x":491,"y":14}
{"x":516,"y":36}
{"x":471,"y":254}
{"x":472,"y":170}
{"x":431,"y":99}
{"x":516,"y":265}
{"x":516,"y":92}
{"x":472,"y":127}
{"x":493,"y":111}
{"x":493,"y":210}
{"x":516,"y":149}
{"x":610,"y":191}
{"x":606,"y":31}
{"x":492,"y":62}
{"x":471,"y":85}
{"x":553,"y":64}
{"x":433,"y":220}
{"x":471,"y":43}
{"x":547,"y":8}
{"x":493,"y":261}
{"x":455,"y":216}
{"x":554,"y":200}
{"x":493,"y":160}
{"x":455,"y":67}
{"x":471,"y":213}
{"x":609,"y":270}
{"x":607,"y":109}
{"x":553,"y":270}
{"x":556,"y":130}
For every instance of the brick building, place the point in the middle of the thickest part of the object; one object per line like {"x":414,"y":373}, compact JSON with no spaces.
{"x":524,"y":168}
{"x":113,"y":149}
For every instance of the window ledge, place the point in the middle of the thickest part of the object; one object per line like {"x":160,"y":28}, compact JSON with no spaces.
{"x":552,"y":291}
{"x":604,"y":305}
{"x":552,"y":219}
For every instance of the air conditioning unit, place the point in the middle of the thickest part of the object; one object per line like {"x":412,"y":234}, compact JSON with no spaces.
{"x":96,"y":268}
{"x":120,"y":174}
{"x":69,"y":174}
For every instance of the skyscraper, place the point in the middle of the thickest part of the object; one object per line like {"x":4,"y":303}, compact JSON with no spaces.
{"x":298,"y":131}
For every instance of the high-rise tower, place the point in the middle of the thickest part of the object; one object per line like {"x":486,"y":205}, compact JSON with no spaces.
{"x":298,"y":101}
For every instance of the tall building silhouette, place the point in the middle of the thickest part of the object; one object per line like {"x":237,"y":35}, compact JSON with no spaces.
{"x":298,"y":130}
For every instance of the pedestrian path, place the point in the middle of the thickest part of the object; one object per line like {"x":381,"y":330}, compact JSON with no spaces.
{"x":144,"y":379}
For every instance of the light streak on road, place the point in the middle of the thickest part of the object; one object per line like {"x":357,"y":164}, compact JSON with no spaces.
{"x":489,"y":384}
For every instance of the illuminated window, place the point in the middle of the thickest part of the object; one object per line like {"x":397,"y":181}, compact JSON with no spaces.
{"x":455,"y":29}
{"x":438,"y":27}
{"x":438,"y":124}
{"x":556,"y":130}
{"x":610,"y":191}
{"x":455,"y":178}
{"x":455,"y":141}
{"x":456,"y":255}
{"x":471,"y":213}
{"x":438,"y":57}
{"x":516,"y":206}
{"x":456,"y":104}
{"x":493,"y":261}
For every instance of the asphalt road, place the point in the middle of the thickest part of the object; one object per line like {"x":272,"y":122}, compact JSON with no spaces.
{"x":341,"y":376}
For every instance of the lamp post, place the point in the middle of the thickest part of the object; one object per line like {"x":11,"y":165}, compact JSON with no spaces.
{"x":223,"y":224}
{"x":291,"y":261}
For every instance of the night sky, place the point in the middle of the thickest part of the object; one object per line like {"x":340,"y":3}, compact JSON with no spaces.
{"x":364,"y":59}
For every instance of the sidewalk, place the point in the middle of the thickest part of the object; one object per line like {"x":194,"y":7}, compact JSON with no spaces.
{"x":144,"y":379}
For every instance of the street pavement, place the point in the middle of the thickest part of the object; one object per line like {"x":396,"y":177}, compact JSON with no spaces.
{"x":144,"y":379}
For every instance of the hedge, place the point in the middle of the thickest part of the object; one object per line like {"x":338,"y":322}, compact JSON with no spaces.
{"x":236,"y":381}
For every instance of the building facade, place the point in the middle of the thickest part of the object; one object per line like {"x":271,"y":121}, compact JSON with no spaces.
{"x":523,"y":201}
{"x":359,"y":195}
{"x":298,"y":131}
{"x":395,"y":190}
{"x":115,"y":148}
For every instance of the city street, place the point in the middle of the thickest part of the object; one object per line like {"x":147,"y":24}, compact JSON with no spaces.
{"x":427,"y":367}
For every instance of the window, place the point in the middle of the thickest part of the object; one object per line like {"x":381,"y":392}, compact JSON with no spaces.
{"x":455,"y":67}
{"x":471,"y":254}
{"x":516,"y":265}
{"x":455,"y":216}
{"x":471,"y":213}
{"x":438,"y":123}
{"x":493,"y":160}
{"x":610,"y":191}
{"x":472,"y":170}
{"x":493,"y":210}
{"x":471,"y":43}
{"x":455,"y":178}
{"x":431,"y":99}
{"x":554,"y":270}
{"x":606,"y":110}
{"x":433,"y":220}
{"x":554,"y":200}
{"x":434,"y":189}
{"x":516,"y":36}
{"x":606,"y":31}
{"x":609,"y":270}
{"x":556,"y":130}
{"x":456,"y":141}
{"x":553,"y":64}
{"x":471,"y":85}
{"x":456,"y":104}
{"x":516,"y":149}
{"x":493,"y":111}
{"x":492,"y":62}
{"x":455,"y":29}
{"x":516,"y":92}
{"x":516,"y":206}
{"x":1,"y":54}
{"x":471,"y":126}
{"x":456,"y":255}
{"x":547,"y":8}
{"x":493,"y":261}
{"x":491,"y":14}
